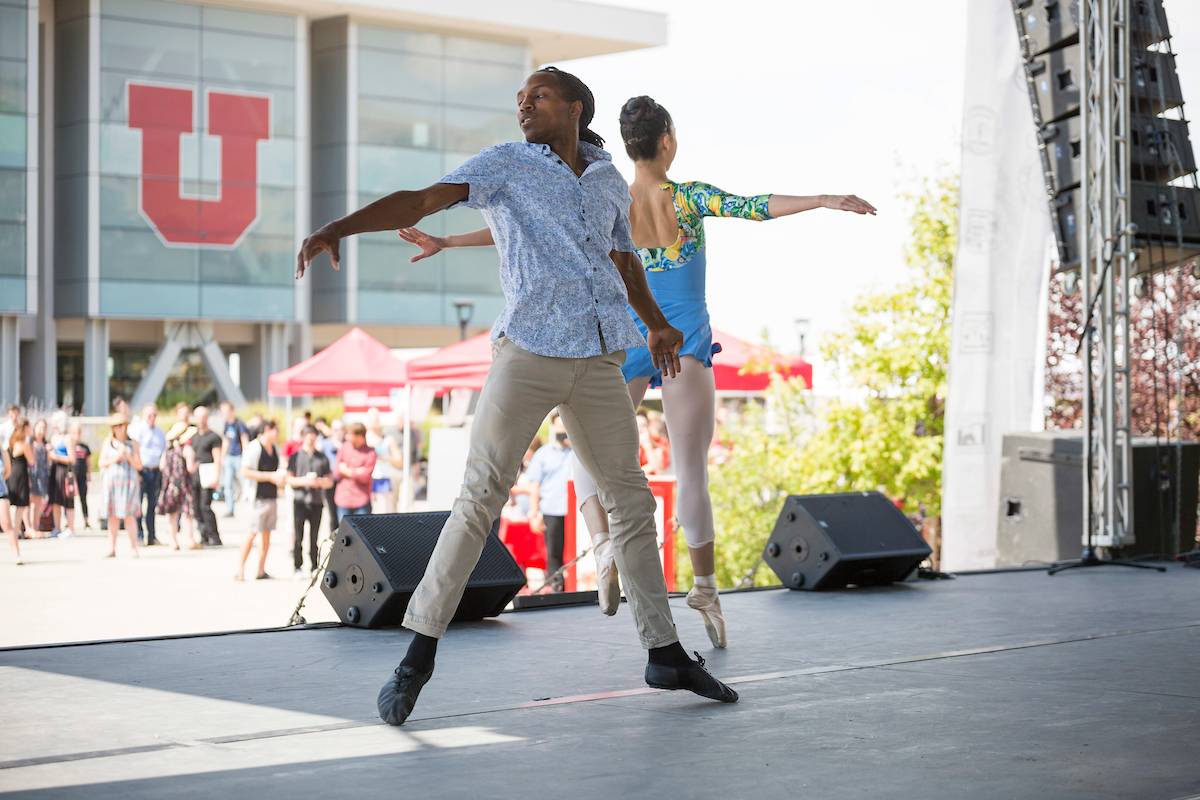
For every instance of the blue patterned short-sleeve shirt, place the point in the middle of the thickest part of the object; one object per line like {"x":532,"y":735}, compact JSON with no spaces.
{"x":554,"y":231}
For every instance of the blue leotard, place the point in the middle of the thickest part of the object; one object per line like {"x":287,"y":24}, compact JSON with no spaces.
{"x":676,"y":273}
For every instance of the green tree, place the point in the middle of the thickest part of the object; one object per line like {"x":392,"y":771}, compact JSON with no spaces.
{"x":886,"y":437}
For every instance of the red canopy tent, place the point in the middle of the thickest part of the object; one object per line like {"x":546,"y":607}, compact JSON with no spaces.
{"x":464,"y":365}
{"x":736,"y":354}
{"x":357,"y":361}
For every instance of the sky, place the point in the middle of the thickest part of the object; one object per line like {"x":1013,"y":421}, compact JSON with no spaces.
{"x":811,"y":97}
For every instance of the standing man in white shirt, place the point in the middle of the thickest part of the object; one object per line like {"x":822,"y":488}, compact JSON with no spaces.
{"x":548,"y":472}
{"x":152,"y":443}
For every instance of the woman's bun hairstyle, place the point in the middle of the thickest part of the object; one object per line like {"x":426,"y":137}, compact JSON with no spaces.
{"x":643,"y":122}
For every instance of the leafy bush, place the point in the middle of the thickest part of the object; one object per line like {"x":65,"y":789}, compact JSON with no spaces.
{"x":886,"y":436}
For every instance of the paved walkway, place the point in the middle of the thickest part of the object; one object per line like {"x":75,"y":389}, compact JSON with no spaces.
{"x":67,"y":591}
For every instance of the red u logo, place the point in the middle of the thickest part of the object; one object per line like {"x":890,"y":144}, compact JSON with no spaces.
{"x":164,"y":114}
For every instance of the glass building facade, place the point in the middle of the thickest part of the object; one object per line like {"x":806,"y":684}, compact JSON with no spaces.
{"x":161,"y":161}
{"x":17,"y":164}
{"x":195,"y":183}
{"x":400,"y":109}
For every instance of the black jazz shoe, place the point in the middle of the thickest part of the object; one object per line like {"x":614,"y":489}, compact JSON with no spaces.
{"x":693,"y":677}
{"x":399,"y":694}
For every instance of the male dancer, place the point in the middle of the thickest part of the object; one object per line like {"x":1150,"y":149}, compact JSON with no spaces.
{"x":663,"y":210}
{"x":558,"y":210}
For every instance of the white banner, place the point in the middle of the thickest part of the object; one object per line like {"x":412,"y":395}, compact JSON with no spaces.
{"x":1000,"y":284}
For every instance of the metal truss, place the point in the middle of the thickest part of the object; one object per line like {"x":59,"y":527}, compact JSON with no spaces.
{"x":1106,"y":257}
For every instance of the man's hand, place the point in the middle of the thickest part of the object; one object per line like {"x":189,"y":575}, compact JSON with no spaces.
{"x":664,"y":344}
{"x":430,"y":245}
{"x":323,"y":240}
{"x":537,"y":523}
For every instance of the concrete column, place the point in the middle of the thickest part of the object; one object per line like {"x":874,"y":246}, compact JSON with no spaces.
{"x":251,"y":369}
{"x":10,"y":361}
{"x":276,"y":351}
{"x":42,"y":369}
{"x":302,"y":349}
{"x":268,"y":354}
{"x":95,"y":367}
{"x":302,"y":341}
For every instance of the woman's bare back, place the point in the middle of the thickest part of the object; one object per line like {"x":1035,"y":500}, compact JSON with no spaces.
{"x":652,"y":218}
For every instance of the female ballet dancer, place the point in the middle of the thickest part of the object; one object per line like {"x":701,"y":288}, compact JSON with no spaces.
{"x":667,"y":219}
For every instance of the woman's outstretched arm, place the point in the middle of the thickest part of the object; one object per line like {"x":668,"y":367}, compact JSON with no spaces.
{"x":706,"y":200}
{"x":781,"y":205}
{"x":432,"y":245}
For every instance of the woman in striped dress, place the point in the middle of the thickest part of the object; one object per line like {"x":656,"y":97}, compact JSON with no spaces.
{"x":119,"y":468}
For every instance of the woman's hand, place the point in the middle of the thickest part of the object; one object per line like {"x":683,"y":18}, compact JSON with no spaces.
{"x":847,"y":202}
{"x":430,"y":245}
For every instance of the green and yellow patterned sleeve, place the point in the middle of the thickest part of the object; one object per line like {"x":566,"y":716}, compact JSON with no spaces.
{"x":706,"y":200}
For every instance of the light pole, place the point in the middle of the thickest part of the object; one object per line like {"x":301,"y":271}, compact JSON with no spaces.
{"x":801,"y":324}
{"x":464,"y":309}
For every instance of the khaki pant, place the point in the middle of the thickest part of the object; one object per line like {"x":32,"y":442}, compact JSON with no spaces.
{"x":521,"y":389}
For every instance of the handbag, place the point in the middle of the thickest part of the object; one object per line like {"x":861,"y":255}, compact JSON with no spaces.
{"x":45,"y":522}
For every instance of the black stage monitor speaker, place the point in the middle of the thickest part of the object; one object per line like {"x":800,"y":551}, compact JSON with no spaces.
{"x":378,"y":560}
{"x":826,"y":541}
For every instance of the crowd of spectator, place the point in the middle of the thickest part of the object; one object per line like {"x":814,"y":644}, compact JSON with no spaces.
{"x":180,"y":471}
{"x":150,"y":470}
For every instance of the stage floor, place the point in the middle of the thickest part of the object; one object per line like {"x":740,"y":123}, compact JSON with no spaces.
{"x":1085,"y":685}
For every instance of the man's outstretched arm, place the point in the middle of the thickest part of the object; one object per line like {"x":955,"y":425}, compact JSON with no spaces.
{"x":397,"y":210}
